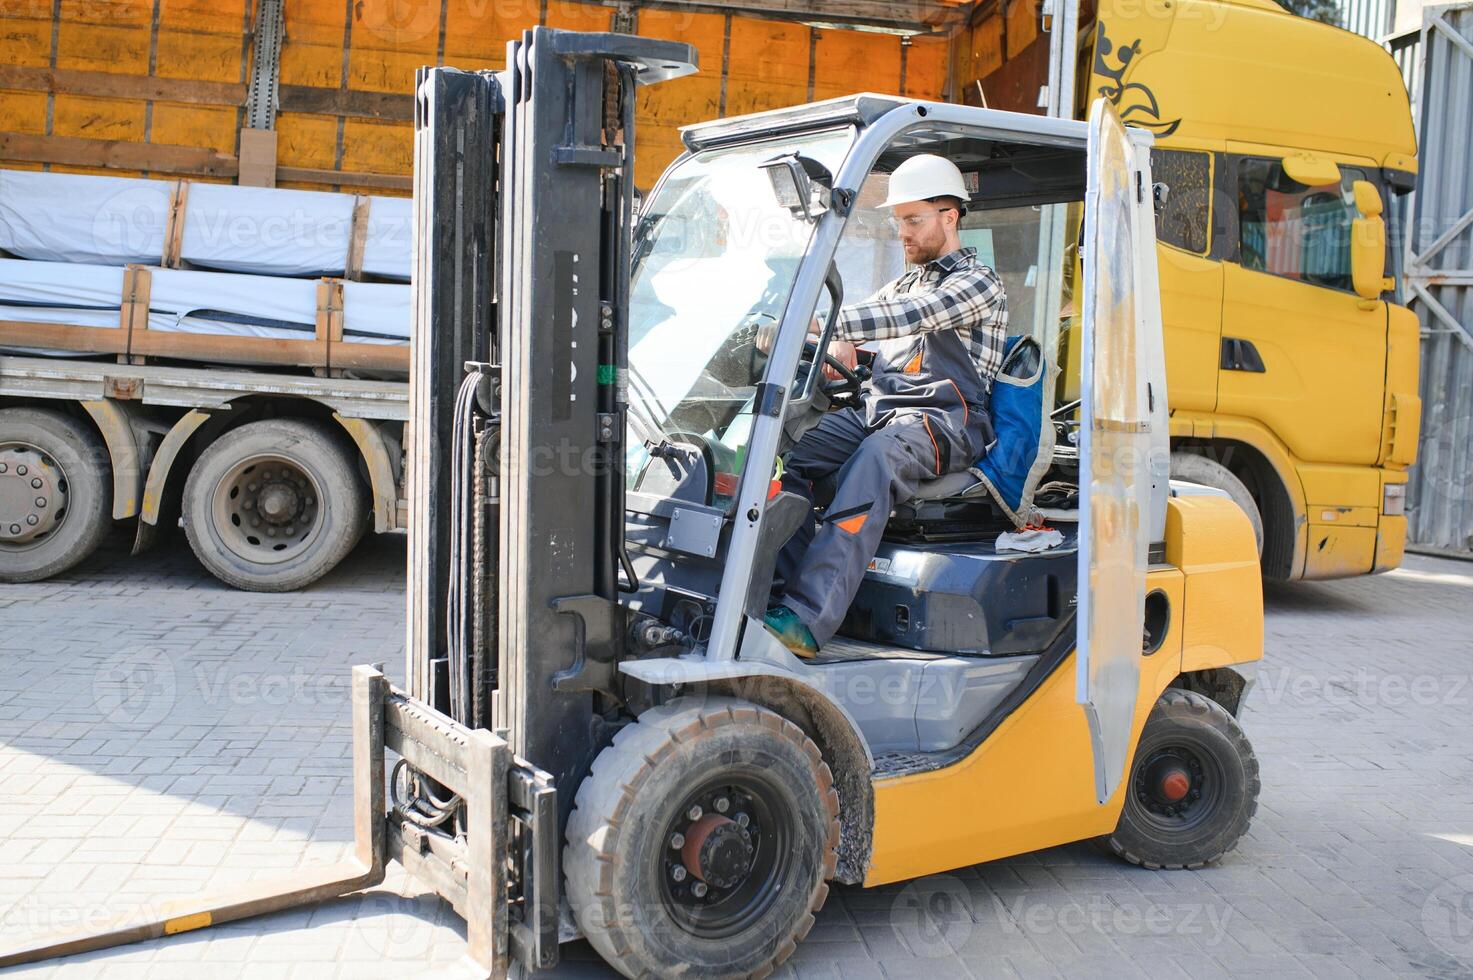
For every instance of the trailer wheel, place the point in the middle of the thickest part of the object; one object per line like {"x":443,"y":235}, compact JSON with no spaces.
{"x":274,"y":505}
{"x":701,"y":842}
{"x":1210,"y":473}
{"x":1193,"y":786}
{"x":54,"y":493}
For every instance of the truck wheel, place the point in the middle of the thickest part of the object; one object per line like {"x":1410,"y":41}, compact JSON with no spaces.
{"x":54,"y":493}
{"x":701,"y":842}
{"x":274,"y":505}
{"x":1210,"y":473}
{"x":1193,"y":786}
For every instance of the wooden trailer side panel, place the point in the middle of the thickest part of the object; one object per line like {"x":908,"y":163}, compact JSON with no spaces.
{"x":134,"y":87}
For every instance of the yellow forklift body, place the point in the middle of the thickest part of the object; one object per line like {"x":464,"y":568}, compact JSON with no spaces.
{"x":1028,"y":786}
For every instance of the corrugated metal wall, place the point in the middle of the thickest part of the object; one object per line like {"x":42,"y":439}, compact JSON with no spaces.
{"x":1372,"y":18}
{"x":1439,"y":272}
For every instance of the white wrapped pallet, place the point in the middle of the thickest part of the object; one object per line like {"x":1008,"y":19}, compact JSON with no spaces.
{"x":388,"y":250}
{"x":266,"y":231}
{"x":82,"y":218}
{"x":269,"y":231}
{"x":190,"y":301}
{"x":232,"y":304}
{"x":376,"y":313}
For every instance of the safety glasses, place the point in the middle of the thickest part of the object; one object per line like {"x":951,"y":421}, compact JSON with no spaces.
{"x":915,"y":220}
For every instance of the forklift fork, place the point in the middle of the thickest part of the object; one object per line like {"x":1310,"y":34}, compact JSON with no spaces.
{"x":506,"y":803}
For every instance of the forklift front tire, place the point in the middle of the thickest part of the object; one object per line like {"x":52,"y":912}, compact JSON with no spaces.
{"x":701,"y":842}
{"x":1193,"y":786}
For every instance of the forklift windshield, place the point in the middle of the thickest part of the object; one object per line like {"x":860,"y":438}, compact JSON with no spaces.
{"x":715,"y":257}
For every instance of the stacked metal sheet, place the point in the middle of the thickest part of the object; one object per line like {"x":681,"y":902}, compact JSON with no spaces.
{"x":225,"y":260}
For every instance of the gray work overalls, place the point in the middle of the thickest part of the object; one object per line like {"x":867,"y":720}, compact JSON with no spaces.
{"x":925,"y":414}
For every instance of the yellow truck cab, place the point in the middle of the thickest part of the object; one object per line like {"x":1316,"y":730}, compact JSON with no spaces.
{"x":1292,"y":357}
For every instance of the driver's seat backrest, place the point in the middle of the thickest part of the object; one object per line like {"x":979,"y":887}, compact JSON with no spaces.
{"x":1010,"y":472}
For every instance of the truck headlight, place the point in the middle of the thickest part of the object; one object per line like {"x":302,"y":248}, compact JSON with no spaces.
{"x":1394,"y":502}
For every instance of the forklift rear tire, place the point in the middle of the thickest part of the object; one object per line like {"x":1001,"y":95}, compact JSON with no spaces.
{"x":55,"y":491}
{"x":1210,"y":473}
{"x":1193,"y":786}
{"x":274,"y":505}
{"x":701,"y":843}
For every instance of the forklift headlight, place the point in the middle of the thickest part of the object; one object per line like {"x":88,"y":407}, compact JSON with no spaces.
{"x":785,"y":175}
{"x":794,"y":177}
{"x":1394,"y":501}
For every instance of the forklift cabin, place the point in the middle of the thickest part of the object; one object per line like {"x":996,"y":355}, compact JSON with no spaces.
{"x":599,"y":737}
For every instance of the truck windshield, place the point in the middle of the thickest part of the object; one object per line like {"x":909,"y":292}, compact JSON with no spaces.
{"x":715,"y":257}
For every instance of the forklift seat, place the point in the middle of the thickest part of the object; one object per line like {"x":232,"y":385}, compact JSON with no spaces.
{"x":964,"y":483}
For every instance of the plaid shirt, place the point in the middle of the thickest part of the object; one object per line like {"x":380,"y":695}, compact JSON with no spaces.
{"x":954,"y":292}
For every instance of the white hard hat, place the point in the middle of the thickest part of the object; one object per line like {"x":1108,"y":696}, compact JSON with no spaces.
{"x":923,"y":177}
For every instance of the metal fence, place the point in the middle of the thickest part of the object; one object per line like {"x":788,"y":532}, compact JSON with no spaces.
{"x":1372,"y":18}
{"x":1439,"y":279}
{"x":1436,"y":228}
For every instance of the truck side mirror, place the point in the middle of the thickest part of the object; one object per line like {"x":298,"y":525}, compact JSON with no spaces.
{"x":1368,"y":243}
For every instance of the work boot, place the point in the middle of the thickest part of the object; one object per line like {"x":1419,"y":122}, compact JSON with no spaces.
{"x":790,"y":631}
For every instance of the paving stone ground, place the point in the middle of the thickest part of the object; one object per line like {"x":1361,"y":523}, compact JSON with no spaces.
{"x":162,"y":734}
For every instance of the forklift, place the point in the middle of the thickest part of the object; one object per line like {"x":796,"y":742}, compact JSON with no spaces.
{"x":597,"y":737}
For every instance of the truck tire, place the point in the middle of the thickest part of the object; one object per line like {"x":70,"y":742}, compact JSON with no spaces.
{"x":701,"y":843}
{"x":55,"y":493}
{"x":1210,"y":473}
{"x":274,"y":505}
{"x":1193,"y":786}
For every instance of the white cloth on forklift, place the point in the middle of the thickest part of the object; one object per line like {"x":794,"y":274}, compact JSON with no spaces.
{"x":82,"y":217}
{"x":266,"y":231}
{"x":1032,"y":539}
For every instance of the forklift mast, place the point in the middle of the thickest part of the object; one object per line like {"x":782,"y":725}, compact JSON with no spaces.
{"x":523,"y":213}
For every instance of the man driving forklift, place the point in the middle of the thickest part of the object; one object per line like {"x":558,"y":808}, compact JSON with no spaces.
{"x":939,"y":332}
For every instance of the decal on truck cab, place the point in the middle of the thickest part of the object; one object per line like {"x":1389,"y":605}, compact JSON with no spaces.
{"x":1135,"y":102}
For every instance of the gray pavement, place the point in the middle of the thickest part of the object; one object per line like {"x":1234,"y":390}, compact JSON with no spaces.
{"x":162,"y":734}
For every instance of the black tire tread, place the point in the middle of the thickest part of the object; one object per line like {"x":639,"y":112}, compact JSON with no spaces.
{"x":1174,"y":700}
{"x":339,"y":465}
{"x":1209,"y":472}
{"x":619,"y":771}
{"x":93,"y":520}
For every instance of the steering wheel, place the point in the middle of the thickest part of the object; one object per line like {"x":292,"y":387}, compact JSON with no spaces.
{"x":841,"y":389}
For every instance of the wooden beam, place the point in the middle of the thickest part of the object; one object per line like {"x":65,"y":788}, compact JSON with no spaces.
{"x":116,"y":154}
{"x":166,"y":159}
{"x":922,"y":16}
{"x":393,"y":106}
{"x":347,"y":178}
{"x":145,"y":88}
{"x":63,"y":336}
